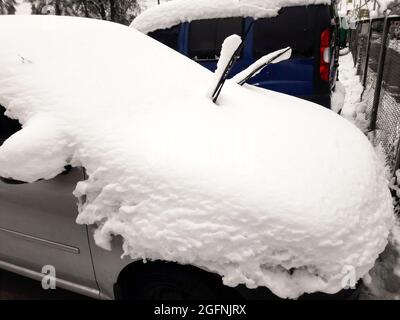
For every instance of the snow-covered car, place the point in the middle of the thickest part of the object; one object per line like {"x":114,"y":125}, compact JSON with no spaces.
{"x":202,"y":181}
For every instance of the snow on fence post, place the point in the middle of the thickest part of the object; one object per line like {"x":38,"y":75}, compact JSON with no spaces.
{"x":379,"y":77}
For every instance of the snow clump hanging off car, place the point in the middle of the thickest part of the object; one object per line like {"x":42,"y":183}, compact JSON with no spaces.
{"x":262,"y":188}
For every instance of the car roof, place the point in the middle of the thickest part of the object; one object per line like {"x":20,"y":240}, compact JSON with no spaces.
{"x":172,"y":13}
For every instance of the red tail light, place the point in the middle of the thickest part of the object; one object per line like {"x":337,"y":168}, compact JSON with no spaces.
{"x":324,"y":54}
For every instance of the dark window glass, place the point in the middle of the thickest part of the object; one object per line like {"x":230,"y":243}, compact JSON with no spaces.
{"x":169,"y":37}
{"x":206,"y":36}
{"x":294,"y":27}
{"x":7,"y":126}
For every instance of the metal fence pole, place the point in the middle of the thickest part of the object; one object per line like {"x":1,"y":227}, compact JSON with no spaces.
{"x":364,"y":80}
{"x":357,"y":47}
{"x":379,"y":77}
{"x":396,"y":167}
{"x":397,"y":159}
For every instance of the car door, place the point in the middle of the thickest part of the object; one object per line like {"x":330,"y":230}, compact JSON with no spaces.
{"x":37,"y":226}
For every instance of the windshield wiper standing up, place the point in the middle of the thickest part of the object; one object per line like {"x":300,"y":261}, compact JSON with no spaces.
{"x":231,"y":48}
{"x":230,"y":52}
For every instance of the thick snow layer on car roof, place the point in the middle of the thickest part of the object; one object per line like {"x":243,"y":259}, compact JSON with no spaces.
{"x":171,"y":13}
{"x":263,"y":189}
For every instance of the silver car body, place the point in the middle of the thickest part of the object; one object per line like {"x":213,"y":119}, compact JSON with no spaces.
{"x":38,"y":228}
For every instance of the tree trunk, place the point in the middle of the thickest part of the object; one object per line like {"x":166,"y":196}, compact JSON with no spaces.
{"x":113,"y":10}
{"x":58,"y":8}
{"x":103,"y":11}
{"x":86,"y":9}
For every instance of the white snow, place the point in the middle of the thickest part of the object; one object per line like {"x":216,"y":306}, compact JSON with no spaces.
{"x":338,"y":97}
{"x":383,"y":281}
{"x":348,"y":94}
{"x":343,"y":7}
{"x":172,"y":13}
{"x":344,"y":51}
{"x":375,"y":10}
{"x":151,"y":3}
{"x":382,"y":5}
{"x":380,"y":8}
{"x":264,"y":189}
{"x":395,"y":45}
{"x":23,"y":7}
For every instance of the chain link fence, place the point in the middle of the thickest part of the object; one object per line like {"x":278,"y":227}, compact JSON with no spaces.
{"x":388,"y":115}
{"x":375,"y":46}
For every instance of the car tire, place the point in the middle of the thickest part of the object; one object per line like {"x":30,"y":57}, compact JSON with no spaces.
{"x":163,"y":281}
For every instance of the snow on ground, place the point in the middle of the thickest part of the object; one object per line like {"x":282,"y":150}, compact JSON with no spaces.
{"x":264,"y":189}
{"x":23,"y":7}
{"x":383,"y":281}
{"x":394,"y":44}
{"x":171,"y":13}
{"x":375,"y":9}
{"x":384,"y":4}
{"x":347,"y":96}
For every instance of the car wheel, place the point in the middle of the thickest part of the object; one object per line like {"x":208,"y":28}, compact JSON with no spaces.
{"x":169,"y":281}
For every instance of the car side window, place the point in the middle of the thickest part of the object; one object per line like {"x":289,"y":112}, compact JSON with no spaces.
{"x":206,"y":36}
{"x":169,"y":37}
{"x":7,"y":126}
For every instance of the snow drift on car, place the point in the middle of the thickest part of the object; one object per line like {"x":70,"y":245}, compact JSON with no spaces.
{"x":263,"y":189}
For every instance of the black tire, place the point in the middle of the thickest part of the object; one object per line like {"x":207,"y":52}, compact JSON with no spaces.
{"x":163,"y":281}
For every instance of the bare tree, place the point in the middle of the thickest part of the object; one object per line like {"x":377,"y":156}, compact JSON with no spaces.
{"x":121,"y":11}
{"x":7,"y":6}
